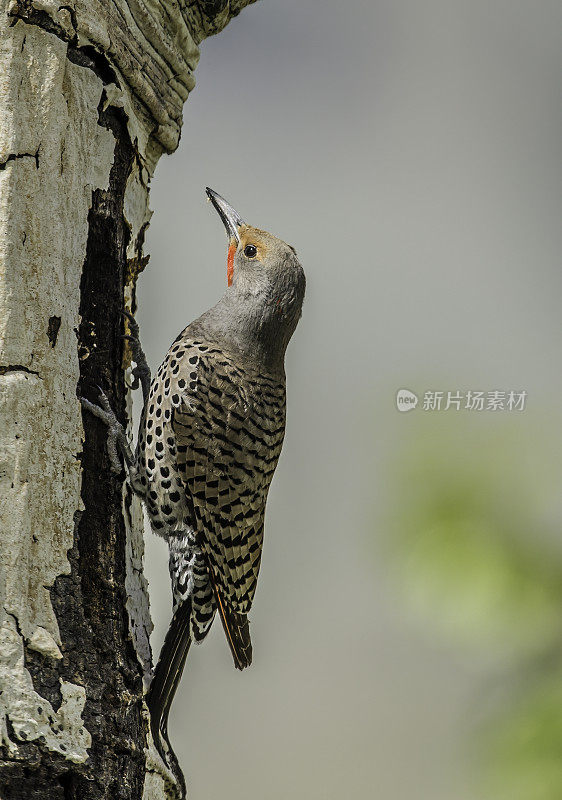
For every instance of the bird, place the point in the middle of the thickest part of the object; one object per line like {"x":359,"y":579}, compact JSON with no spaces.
{"x":210,"y":436}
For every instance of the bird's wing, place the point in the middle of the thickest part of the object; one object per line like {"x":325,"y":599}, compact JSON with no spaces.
{"x":229,"y":428}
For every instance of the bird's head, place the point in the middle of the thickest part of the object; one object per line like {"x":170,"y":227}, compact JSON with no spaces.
{"x":263,"y":272}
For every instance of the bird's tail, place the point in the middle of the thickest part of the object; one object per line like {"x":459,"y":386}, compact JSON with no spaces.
{"x":237,"y":630}
{"x":168,"y":673}
{"x":236,"y":626}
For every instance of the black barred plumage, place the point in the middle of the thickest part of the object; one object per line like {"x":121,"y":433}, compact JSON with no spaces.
{"x":207,"y":469}
{"x":209,"y":440}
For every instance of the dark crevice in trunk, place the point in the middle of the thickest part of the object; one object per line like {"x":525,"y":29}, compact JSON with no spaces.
{"x":68,"y":785}
{"x":4,"y":369}
{"x":90,"y":58}
{"x":53,"y":330}
{"x":112,"y":673}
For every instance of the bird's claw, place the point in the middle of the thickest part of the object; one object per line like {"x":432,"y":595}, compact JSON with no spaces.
{"x":130,"y":316}
{"x":116,"y":436}
{"x":141,"y":372}
{"x":135,"y":383}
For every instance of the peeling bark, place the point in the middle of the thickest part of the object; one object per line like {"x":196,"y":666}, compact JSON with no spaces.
{"x":92,"y":95}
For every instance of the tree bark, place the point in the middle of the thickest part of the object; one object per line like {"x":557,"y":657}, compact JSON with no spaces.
{"x":92,"y":95}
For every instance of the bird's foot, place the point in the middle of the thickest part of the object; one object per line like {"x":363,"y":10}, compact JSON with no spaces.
{"x":116,"y":437}
{"x":141,"y":372}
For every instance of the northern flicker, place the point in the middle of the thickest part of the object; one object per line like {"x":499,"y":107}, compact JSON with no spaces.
{"x":209,"y":440}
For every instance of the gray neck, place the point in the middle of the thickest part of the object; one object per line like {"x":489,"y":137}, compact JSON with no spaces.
{"x":251,"y":325}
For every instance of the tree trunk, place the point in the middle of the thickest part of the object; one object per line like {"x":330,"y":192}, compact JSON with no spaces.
{"x":92,"y":95}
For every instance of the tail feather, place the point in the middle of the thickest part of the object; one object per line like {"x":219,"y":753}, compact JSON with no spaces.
{"x":236,"y":627}
{"x":168,"y":673}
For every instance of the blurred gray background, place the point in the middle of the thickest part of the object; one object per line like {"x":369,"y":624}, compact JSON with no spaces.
{"x":411,"y":153}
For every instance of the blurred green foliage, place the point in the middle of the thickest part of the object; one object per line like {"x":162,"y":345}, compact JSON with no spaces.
{"x":524,"y":746}
{"x":473,"y":530}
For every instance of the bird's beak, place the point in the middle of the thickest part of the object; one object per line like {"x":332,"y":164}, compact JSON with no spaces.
{"x":231,"y":219}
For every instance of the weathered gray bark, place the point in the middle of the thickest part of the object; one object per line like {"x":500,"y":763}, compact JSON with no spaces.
{"x":92,"y":94}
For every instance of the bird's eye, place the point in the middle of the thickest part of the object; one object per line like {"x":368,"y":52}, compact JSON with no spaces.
{"x":250,"y":251}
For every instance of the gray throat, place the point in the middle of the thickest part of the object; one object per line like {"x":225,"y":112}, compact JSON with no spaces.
{"x":249,"y":325}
